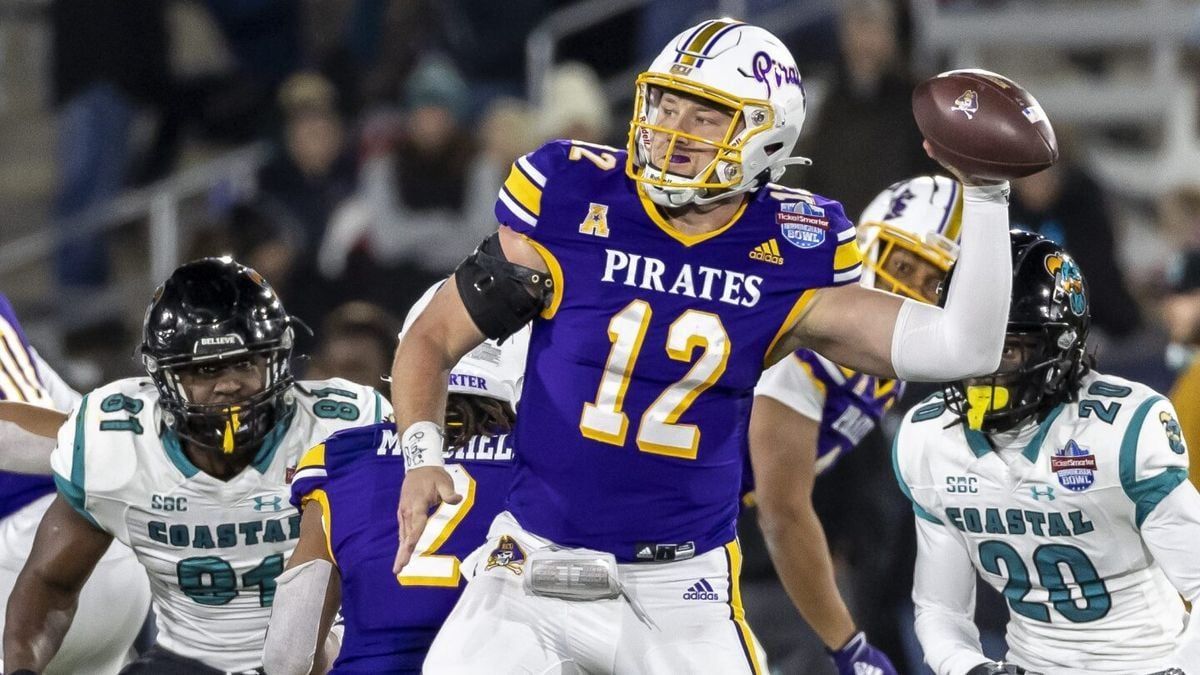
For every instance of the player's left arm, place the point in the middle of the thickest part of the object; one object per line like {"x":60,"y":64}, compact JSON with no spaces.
{"x":882,"y":334}
{"x":27,"y":437}
{"x":943,"y":576}
{"x":1154,"y":460}
{"x":944,"y":597}
{"x":1172,"y":534}
{"x":783,"y":452}
{"x":307,"y":597}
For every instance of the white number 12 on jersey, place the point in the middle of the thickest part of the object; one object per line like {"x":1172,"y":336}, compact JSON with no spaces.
{"x":605,"y":421}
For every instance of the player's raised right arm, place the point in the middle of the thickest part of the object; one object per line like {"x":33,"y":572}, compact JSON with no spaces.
{"x":883,"y":334}
{"x":490,"y":295}
{"x":43,"y":601}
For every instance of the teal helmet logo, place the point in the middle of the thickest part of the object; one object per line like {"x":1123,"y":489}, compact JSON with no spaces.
{"x":1068,"y":280}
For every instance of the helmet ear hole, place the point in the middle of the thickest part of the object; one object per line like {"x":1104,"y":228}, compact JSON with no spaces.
{"x":772,"y":148}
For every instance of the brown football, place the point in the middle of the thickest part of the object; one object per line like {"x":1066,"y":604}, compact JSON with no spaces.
{"x":984,"y":124}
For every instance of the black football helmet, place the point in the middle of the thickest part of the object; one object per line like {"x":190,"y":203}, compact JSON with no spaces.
{"x":1048,"y":322}
{"x":212,"y":310}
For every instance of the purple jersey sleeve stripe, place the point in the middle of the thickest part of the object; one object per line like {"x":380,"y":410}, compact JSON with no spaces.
{"x":509,"y":212}
{"x":518,"y":204}
{"x":527,"y":167}
{"x":18,"y":368}
{"x":309,"y":476}
{"x":848,"y":275}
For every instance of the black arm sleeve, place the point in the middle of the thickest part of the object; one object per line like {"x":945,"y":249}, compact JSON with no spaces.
{"x":500,"y":296}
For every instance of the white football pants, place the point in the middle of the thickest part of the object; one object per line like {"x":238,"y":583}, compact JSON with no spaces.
{"x":497,"y":627}
{"x":112,"y":606}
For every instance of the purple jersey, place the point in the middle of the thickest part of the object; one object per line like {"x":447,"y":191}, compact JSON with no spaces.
{"x":854,"y":404}
{"x":356,"y":474}
{"x":640,"y":378}
{"x":19,"y":381}
{"x":846,"y":404}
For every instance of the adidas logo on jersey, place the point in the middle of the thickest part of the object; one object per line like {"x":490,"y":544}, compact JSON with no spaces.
{"x":768,"y":251}
{"x":701,"y":590}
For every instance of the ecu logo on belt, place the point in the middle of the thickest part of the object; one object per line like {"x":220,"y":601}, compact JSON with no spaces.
{"x":507,"y":554}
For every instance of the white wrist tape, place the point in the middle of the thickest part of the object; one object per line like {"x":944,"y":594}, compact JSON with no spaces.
{"x":996,"y":193}
{"x":422,"y":444}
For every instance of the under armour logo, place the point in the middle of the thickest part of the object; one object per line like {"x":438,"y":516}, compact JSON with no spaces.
{"x":274,"y":504}
{"x":1048,"y":493}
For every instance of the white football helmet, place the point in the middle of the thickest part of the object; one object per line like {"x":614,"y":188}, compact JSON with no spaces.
{"x":741,"y":68}
{"x":922,"y":215}
{"x":491,"y":369}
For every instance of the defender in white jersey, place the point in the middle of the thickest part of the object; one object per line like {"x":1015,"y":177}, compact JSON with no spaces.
{"x":1065,"y":489}
{"x":190,"y":468}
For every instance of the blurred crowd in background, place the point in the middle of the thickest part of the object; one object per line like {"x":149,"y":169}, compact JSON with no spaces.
{"x":389,"y":126}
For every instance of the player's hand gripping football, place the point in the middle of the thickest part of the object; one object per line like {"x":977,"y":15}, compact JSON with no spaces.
{"x":983,"y":127}
{"x":424,"y":489}
{"x":961,"y":176}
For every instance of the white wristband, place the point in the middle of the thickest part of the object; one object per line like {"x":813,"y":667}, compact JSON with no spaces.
{"x":422,"y":444}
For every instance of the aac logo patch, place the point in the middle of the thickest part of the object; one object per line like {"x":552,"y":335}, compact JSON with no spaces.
{"x":1074,"y":466}
{"x":1174,"y":432}
{"x":507,"y":554}
{"x":595,"y":222}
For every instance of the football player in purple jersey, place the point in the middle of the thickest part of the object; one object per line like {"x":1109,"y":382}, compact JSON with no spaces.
{"x":34,"y":402}
{"x":809,"y":411}
{"x":661,"y":280}
{"x":344,"y":555}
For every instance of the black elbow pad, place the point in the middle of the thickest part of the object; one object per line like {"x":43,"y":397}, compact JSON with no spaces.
{"x":500,"y":296}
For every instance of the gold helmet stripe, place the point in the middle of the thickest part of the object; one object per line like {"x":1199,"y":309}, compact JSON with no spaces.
{"x":695,"y":48}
